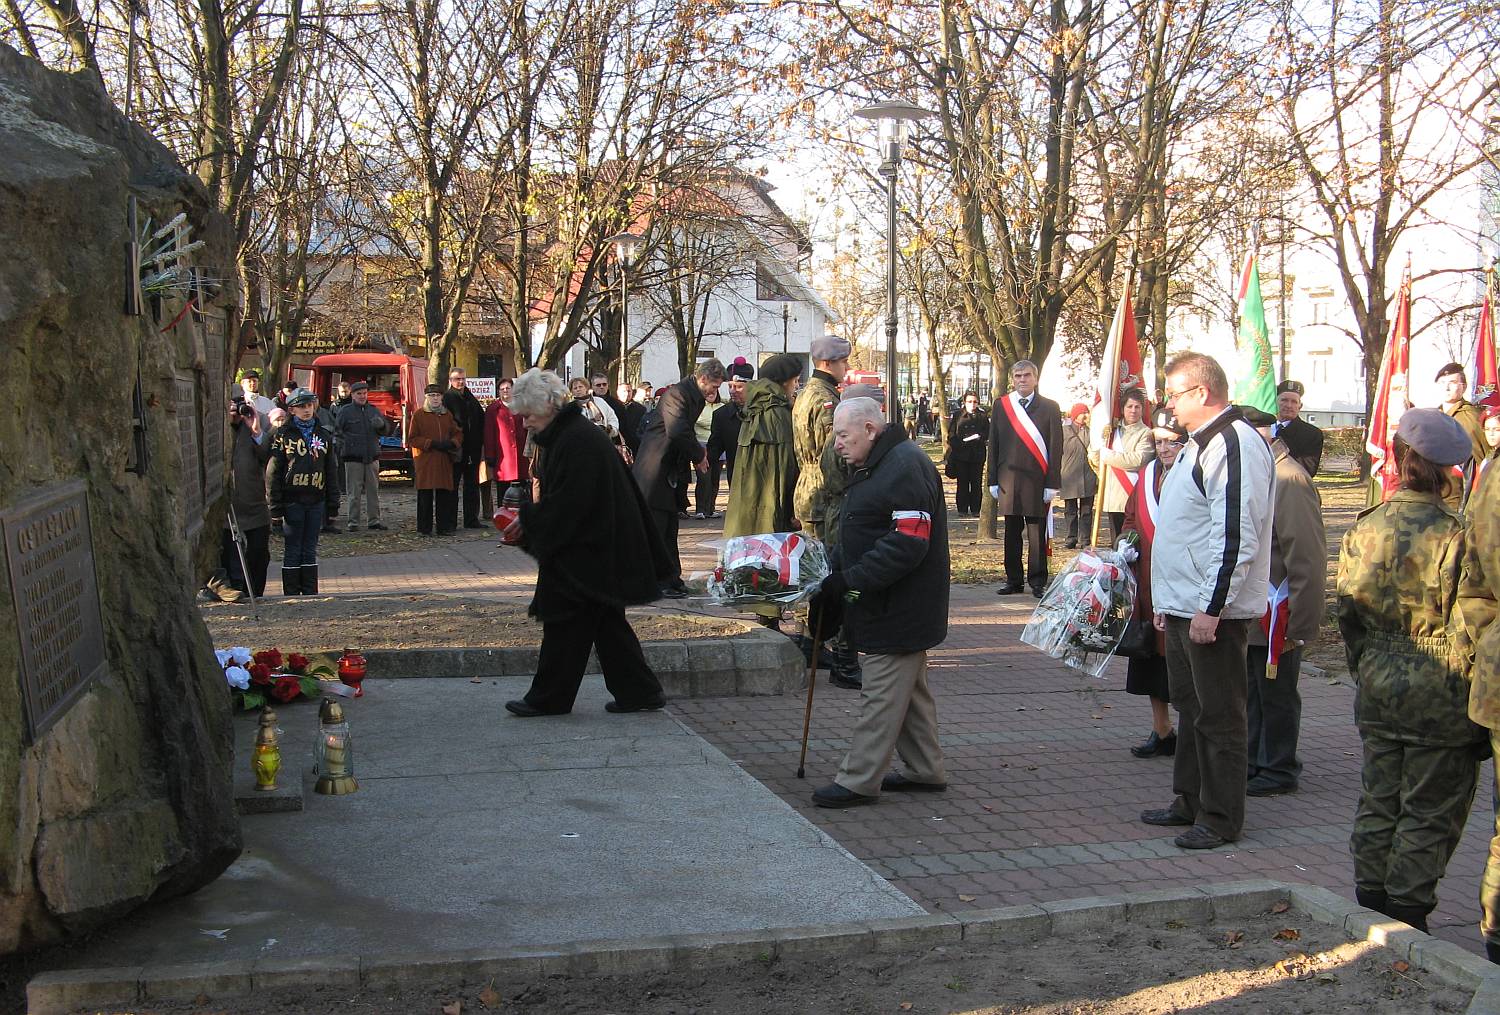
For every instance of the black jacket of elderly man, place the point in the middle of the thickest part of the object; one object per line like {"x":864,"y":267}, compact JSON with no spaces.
{"x":669,"y":446}
{"x":596,"y":552}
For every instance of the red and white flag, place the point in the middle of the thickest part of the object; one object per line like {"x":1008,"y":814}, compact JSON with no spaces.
{"x":1485,"y":375}
{"x":1119,"y":371}
{"x":1392,"y":396}
{"x":1273,"y":624}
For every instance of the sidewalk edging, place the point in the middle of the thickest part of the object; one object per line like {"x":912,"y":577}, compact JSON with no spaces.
{"x":63,"y":991}
{"x":751,"y":662}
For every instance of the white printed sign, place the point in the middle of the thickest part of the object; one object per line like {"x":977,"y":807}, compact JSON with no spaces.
{"x":483,"y":388}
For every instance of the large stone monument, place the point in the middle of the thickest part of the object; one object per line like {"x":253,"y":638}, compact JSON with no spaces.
{"x":115,"y":739}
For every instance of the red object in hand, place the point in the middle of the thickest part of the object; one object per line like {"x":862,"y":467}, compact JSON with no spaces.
{"x":503,"y":519}
{"x":352,"y":671}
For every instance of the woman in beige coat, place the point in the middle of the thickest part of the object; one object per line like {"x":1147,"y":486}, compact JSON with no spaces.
{"x":1127,"y":449}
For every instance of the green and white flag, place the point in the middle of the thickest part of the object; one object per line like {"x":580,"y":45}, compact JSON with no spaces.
{"x":1256,"y":382}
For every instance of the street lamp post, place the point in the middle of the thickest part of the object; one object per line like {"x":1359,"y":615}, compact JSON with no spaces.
{"x":625,"y":244}
{"x":893,"y":116}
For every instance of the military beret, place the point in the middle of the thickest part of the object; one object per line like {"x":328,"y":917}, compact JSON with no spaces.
{"x":1435,"y":436}
{"x":1449,"y":368}
{"x":781,"y":368}
{"x":1295,"y":387}
{"x":740,"y":369}
{"x":433,"y":389}
{"x":1164,"y":425}
{"x":1255,"y":417}
{"x":301,"y":396}
{"x":830,"y":349}
{"x":863,"y":391}
{"x":1489,"y":405}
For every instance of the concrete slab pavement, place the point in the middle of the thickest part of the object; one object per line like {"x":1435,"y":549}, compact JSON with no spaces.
{"x":474,"y":829}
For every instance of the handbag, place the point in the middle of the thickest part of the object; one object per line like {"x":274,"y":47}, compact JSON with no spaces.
{"x":1138,"y":641}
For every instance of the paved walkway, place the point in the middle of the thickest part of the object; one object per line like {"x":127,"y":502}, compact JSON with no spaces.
{"x":1044,"y":795}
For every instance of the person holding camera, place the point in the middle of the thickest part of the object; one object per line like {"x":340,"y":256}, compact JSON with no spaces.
{"x":250,"y":450}
{"x":436,"y":442}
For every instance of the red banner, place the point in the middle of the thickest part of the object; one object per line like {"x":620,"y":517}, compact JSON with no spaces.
{"x":1392,"y":395}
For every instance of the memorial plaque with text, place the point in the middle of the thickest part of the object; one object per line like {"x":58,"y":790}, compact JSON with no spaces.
{"x":49,"y":555}
{"x":190,"y":488}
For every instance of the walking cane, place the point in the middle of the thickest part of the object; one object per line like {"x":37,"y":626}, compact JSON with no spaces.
{"x":812,"y":682}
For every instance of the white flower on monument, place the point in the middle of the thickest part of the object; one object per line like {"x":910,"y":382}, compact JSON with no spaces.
{"x":238,"y":677}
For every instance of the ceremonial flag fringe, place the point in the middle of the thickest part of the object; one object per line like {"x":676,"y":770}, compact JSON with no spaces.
{"x":1391,"y":397}
{"x":1256,"y":383}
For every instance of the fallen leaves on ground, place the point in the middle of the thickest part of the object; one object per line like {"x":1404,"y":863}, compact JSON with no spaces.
{"x":1234,"y":939}
{"x":456,"y":1008}
{"x":1288,"y":934}
{"x":1400,"y":965}
{"x":489,"y":996}
{"x":904,"y":1006}
{"x":1281,"y":907}
{"x":967,"y":898}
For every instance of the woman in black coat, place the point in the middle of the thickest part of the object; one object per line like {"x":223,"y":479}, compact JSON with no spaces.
{"x":596,"y":551}
{"x":967,"y":433}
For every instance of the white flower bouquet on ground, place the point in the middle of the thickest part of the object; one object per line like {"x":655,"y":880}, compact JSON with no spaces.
{"x":1082,"y":616}
{"x":770,"y":569}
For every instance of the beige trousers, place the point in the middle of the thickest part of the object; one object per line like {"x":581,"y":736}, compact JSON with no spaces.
{"x":897,"y":714}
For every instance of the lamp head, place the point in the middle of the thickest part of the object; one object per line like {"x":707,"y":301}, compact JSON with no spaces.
{"x":626,"y":245}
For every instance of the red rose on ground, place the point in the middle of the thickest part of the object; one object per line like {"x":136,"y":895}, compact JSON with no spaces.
{"x":260,"y":674}
{"x":296,"y":662}
{"x":286,"y":688}
{"x":270,"y":657}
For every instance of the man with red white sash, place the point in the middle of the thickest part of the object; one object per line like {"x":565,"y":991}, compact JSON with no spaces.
{"x":1025,"y":472}
{"x":1294,"y":609}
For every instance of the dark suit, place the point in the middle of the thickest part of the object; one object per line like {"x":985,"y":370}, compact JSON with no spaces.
{"x":669,"y":446}
{"x":469,"y":415}
{"x":1021,"y":480}
{"x":724,"y":439}
{"x":1304,"y":441}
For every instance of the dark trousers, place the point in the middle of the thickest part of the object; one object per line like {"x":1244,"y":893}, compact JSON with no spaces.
{"x":1273,"y":710}
{"x":1116,"y":523}
{"x":969,"y":492}
{"x":257,"y":559}
{"x":565,"y":654}
{"x":447,"y":511}
{"x":666,"y":526}
{"x":466,"y":478}
{"x":1207,"y":684}
{"x":1078,"y":518}
{"x":1036,"y":550}
{"x":707,"y":492}
{"x":300,"y":525}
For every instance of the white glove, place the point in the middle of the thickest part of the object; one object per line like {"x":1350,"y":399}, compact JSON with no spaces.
{"x":1127,"y":552}
{"x":1048,"y":496}
{"x":995,"y":492}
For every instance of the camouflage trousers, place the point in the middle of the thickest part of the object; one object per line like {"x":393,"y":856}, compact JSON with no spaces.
{"x":1415,"y":801}
{"x":1489,"y":888}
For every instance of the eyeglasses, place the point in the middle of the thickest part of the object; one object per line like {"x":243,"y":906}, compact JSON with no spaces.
{"x":1172,"y":396}
{"x":601,"y":384}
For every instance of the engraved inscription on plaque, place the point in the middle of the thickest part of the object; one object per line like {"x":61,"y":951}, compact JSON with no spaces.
{"x":214,"y":403}
{"x":190,"y":488}
{"x":49,"y":554}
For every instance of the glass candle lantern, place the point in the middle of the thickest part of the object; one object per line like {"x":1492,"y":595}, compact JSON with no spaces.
{"x":335,"y":761}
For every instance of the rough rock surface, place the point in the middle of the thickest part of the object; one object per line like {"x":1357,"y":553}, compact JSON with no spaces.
{"x":128,"y":796}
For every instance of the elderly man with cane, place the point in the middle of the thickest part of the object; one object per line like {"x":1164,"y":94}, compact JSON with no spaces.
{"x":889,"y":587}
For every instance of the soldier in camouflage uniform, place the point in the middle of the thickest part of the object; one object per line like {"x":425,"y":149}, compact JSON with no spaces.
{"x":1397,"y":583}
{"x":819,"y":497}
{"x":1478,"y":637}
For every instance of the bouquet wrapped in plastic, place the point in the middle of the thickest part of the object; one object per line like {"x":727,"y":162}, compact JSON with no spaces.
{"x":771,"y":569}
{"x":1083,"y":613}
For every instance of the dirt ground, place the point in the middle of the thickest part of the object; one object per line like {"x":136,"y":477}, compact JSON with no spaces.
{"x":330,"y":623}
{"x":1273,"y":963}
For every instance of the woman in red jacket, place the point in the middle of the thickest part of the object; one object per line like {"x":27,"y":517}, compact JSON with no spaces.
{"x":1149,"y":676}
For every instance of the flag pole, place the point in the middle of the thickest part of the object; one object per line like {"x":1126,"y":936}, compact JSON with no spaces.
{"x":1109,"y":423}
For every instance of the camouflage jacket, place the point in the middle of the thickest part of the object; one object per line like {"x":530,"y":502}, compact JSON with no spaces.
{"x":823,"y":475}
{"x":1474,"y":618}
{"x":1397,"y":582}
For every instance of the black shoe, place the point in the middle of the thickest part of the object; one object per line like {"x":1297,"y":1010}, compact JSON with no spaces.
{"x":1156,"y":746}
{"x":1263,"y":785}
{"x":1071,"y":544}
{"x":673,"y":592}
{"x":1376,"y":900}
{"x":309,"y":579}
{"x":375,"y":527}
{"x":826,"y":659}
{"x":1492,"y":951}
{"x":1200,"y":837}
{"x":895,"y":782}
{"x":473,"y":525}
{"x":1412,"y":916}
{"x":834,"y":795}
{"x":1010,"y":589}
{"x":1037,"y":591}
{"x":332,"y":527}
{"x":1165,"y":816}
{"x":526,"y":710}
{"x":352,"y":527}
{"x":646,"y":706}
{"x":291,"y":581}
{"x":845,"y":681}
